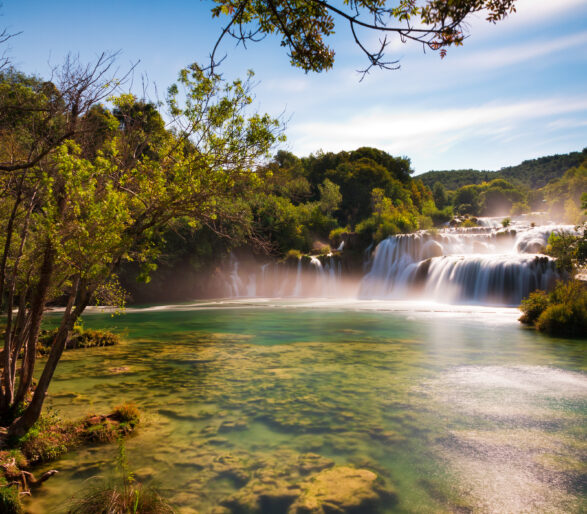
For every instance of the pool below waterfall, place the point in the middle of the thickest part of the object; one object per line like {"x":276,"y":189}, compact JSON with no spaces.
{"x":454,"y":408}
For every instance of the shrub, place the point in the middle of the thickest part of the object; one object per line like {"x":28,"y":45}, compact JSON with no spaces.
{"x":293,"y":254}
{"x":563,"y":312}
{"x":533,"y":306}
{"x":9,"y":500}
{"x":48,"y":439}
{"x":126,"y":413}
{"x":124,"y":496}
{"x":468,"y":223}
{"x":335,"y":236}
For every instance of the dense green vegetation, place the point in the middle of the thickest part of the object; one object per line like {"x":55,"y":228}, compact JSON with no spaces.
{"x":88,"y":186}
{"x":490,"y":194}
{"x":563,"y":312}
{"x":533,"y":173}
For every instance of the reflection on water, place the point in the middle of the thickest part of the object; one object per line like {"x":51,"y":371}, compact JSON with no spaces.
{"x":456,"y":412}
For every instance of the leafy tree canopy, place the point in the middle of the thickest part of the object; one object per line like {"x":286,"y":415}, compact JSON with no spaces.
{"x":305,"y":25}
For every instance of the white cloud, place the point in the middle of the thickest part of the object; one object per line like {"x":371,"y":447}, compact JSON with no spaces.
{"x":507,"y":56}
{"x":409,"y":131}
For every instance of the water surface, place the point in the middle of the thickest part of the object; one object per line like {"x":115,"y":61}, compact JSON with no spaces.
{"x":457,"y":409}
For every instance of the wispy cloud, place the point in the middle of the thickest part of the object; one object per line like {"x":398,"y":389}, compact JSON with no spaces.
{"x":407,"y":132}
{"x":515,"y":54}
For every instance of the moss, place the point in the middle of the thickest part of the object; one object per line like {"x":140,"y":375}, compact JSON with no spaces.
{"x":79,"y":338}
{"x":51,"y":437}
{"x":126,"y":413}
{"x":9,"y":500}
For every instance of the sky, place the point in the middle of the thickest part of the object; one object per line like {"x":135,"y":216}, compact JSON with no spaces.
{"x":515,"y":90}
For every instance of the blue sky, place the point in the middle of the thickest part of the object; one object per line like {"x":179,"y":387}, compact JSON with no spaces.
{"x":514,"y":91}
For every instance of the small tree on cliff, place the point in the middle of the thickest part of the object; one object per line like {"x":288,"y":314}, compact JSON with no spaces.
{"x":77,"y":211}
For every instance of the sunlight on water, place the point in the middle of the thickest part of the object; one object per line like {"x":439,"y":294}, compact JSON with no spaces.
{"x":457,"y":409}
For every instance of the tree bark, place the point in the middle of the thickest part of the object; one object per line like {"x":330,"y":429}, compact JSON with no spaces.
{"x":37,"y":308}
{"x":21,"y":425}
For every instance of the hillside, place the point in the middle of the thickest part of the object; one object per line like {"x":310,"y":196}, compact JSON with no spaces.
{"x":533,"y":173}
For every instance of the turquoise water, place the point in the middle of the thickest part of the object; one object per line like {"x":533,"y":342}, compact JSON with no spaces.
{"x":456,"y":410}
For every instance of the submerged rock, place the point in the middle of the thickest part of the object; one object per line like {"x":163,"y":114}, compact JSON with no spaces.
{"x":341,"y":490}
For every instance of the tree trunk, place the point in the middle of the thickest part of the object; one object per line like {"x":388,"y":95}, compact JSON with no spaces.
{"x":21,"y":425}
{"x":37,"y":308}
{"x":9,"y":231}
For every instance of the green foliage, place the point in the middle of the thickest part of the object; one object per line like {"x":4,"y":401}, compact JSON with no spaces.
{"x":293,"y":254}
{"x":341,"y":194}
{"x":126,"y":413}
{"x":563,"y":312}
{"x":48,"y":439}
{"x":533,"y":306}
{"x":78,"y":338}
{"x":10,"y":500}
{"x":506,"y":222}
{"x":468,"y":223}
{"x":520,"y":208}
{"x":488,"y":198}
{"x":122,"y":496}
{"x":336,"y":234}
{"x":532,"y":174}
{"x":440,"y":196}
{"x":438,"y":216}
{"x":570,"y":250}
{"x":387,"y":219}
{"x":563,"y":196}
{"x":304,"y":27}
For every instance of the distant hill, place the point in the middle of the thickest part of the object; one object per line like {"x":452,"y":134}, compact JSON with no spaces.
{"x":534,"y":173}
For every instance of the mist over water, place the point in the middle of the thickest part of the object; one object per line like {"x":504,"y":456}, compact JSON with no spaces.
{"x":487,"y":265}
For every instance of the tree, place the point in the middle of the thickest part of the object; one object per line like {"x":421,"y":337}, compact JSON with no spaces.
{"x":74,"y":213}
{"x":440,"y":198}
{"x":304,"y":25}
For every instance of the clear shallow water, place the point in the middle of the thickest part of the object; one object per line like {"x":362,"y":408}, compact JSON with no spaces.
{"x":457,"y":408}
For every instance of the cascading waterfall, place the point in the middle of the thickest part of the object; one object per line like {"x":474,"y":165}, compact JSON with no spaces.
{"x":487,"y":264}
{"x":483,"y":265}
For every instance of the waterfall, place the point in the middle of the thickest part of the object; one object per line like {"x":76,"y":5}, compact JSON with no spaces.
{"x":487,"y":265}
{"x":298,"y":287}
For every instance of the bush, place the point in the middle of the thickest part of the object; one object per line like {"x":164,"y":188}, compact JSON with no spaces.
{"x":335,"y":236}
{"x":126,"y":413}
{"x":9,"y":500}
{"x":121,"y":499}
{"x":562,"y":313}
{"x":468,"y":223}
{"x":293,"y":254}
{"x":533,"y":307}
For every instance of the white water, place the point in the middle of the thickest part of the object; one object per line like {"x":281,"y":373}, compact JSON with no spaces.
{"x":485,"y":265}
{"x":481,"y":265}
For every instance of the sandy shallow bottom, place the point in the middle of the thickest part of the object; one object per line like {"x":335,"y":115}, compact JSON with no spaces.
{"x":454,"y":408}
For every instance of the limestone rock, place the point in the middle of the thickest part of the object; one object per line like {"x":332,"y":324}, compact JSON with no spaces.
{"x":341,"y":490}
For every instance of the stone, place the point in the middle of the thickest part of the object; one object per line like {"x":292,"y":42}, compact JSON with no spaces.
{"x":264,"y":495}
{"x":343,"y":490}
